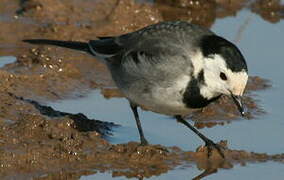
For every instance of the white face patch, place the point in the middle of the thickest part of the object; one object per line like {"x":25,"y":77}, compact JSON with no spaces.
{"x":214,"y":85}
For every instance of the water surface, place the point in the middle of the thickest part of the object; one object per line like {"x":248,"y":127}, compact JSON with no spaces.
{"x":4,"y":60}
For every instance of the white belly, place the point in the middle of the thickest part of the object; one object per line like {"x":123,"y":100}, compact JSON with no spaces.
{"x":164,"y":100}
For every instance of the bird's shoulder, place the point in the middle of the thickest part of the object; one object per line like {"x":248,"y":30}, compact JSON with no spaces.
{"x":163,"y":41}
{"x":171,"y":28}
{"x":153,"y":39}
{"x":179,"y":32}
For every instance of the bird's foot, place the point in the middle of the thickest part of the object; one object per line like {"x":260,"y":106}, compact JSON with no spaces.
{"x":144,"y":142}
{"x":211,"y":145}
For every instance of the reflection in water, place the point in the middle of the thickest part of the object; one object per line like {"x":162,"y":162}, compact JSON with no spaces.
{"x":205,"y":173}
{"x":206,"y":12}
{"x":269,"y":10}
{"x":253,"y":171}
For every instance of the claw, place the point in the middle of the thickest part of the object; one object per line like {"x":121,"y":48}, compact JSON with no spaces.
{"x":144,"y":142}
{"x":210,"y":145}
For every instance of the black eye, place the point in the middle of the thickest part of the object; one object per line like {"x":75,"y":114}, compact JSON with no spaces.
{"x":223,"y":76}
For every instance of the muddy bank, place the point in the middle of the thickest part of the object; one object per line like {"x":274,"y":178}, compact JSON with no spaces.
{"x":40,"y":142}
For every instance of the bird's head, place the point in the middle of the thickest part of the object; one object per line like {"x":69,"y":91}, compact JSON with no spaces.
{"x":225,"y":70}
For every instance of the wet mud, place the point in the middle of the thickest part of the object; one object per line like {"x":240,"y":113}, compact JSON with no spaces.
{"x":39,"y":142}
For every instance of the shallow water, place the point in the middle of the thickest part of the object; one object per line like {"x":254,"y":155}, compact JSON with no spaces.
{"x":262,"y":45}
{"x":4,"y":60}
{"x":250,"y":171}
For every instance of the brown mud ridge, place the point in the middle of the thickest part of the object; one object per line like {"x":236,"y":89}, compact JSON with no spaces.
{"x":40,"y":142}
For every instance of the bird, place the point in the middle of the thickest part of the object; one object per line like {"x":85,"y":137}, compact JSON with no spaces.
{"x":171,"y":68}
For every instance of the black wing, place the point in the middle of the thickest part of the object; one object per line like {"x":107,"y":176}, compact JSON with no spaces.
{"x":105,"y":46}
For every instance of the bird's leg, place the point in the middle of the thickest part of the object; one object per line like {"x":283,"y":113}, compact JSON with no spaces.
{"x":138,"y":123}
{"x":208,"y":142}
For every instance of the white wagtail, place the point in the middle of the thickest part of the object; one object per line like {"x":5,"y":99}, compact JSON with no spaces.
{"x":169,"y":68}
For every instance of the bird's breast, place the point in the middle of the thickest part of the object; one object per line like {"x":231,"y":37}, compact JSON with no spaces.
{"x":165,"y":99}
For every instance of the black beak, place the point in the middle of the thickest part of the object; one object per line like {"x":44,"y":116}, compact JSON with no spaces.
{"x":238,"y":102}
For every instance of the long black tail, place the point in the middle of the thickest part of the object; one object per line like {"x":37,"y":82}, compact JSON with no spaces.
{"x":81,"y":46}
